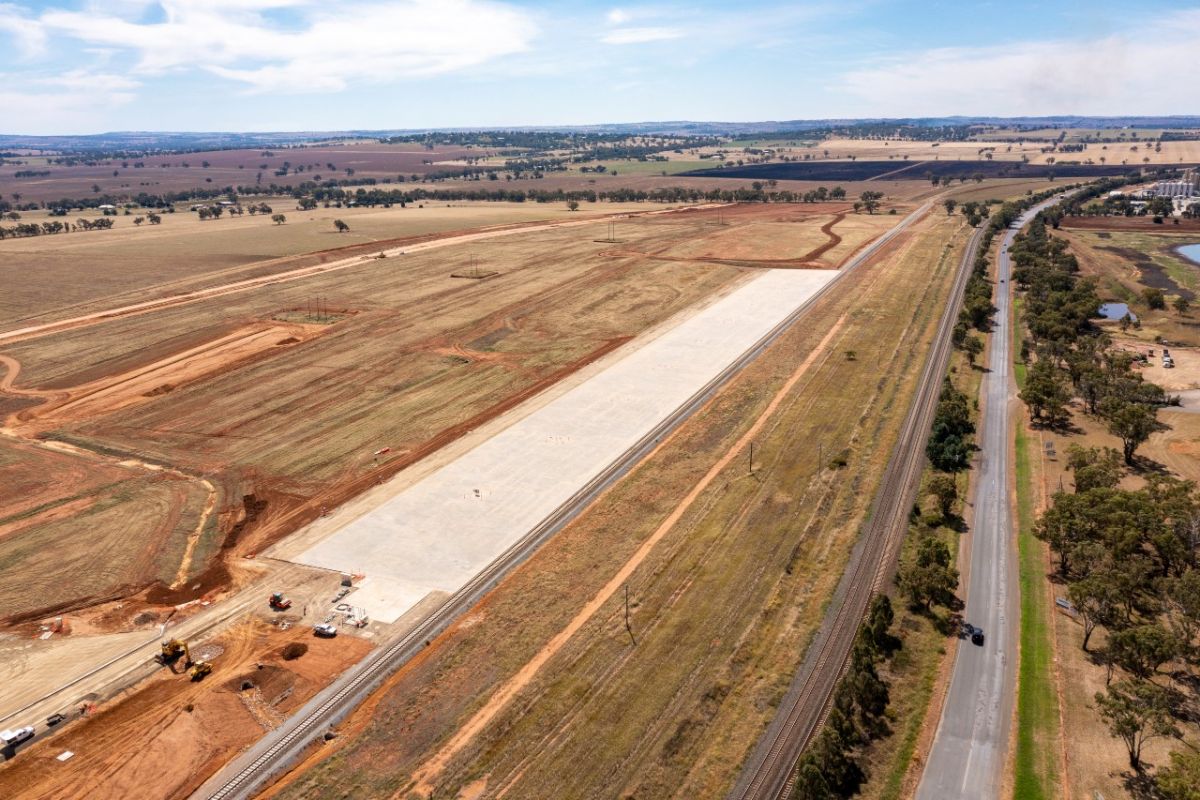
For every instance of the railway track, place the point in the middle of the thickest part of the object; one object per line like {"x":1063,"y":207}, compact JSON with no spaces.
{"x":275,"y":753}
{"x":769,"y":771}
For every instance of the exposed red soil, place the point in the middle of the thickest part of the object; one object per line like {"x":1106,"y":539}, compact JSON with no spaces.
{"x":164,"y":739}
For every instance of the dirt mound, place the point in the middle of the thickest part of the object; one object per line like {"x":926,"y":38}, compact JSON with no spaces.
{"x":292,"y":651}
{"x":160,"y":390}
{"x":271,"y":680}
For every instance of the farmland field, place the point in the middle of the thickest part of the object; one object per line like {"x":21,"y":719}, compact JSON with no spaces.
{"x":719,"y":605}
{"x":178,"y":172}
{"x":264,"y":396}
{"x":49,"y":277}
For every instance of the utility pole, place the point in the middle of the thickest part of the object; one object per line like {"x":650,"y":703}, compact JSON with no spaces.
{"x":751,"y":456}
{"x":628,"y":627}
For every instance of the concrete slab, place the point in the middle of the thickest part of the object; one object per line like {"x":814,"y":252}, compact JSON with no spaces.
{"x":441,"y":531}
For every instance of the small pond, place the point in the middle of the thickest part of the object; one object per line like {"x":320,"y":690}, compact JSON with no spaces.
{"x":1116,"y":311}
{"x":1191,"y":252}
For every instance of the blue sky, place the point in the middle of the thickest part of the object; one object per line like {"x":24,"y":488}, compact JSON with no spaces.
{"x":82,"y":66}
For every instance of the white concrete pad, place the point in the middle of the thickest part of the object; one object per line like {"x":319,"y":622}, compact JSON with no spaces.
{"x":444,"y":529}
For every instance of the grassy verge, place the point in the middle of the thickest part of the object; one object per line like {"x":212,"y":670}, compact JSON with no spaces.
{"x":912,"y":675}
{"x":1034,"y":770}
{"x":913,"y":671}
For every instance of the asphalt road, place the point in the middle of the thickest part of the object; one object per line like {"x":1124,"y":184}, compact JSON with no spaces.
{"x":968,"y":755}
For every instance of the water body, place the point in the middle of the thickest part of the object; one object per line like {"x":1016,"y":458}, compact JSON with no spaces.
{"x":1191,"y":252}
{"x":1116,"y":311}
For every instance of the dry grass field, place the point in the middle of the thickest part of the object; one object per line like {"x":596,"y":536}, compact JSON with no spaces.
{"x":1009,"y":148}
{"x":253,"y":394}
{"x":51,"y":277}
{"x":722,"y":602}
{"x":1124,"y":263}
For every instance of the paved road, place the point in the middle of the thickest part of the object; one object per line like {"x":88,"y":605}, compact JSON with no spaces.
{"x":967,"y":760}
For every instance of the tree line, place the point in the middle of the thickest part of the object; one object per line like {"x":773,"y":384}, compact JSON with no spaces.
{"x":54,"y":226}
{"x":1129,"y":558}
{"x":832,"y":767}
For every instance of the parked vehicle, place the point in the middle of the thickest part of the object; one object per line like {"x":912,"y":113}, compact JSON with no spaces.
{"x":11,"y":738}
{"x":54,"y":719}
{"x":324,"y":630}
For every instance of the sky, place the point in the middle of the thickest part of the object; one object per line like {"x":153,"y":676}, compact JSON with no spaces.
{"x":90,"y":66}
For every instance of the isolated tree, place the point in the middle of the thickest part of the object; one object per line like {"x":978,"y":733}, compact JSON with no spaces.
{"x":1141,"y":649}
{"x":950,"y":204}
{"x":1181,"y":304}
{"x":1154,"y":298}
{"x":341,"y":226}
{"x":278,"y":219}
{"x":929,"y":578}
{"x":1094,"y":468}
{"x":1136,"y":712}
{"x":1132,"y":423}
{"x":1046,"y":393}
{"x":572,"y":205}
{"x":949,"y":446}
{"x":154,"y":219}
{"x":138,"y":220}
{"x":1097,"y":600}
{"x":944,"y":488}
{"x":879,"y":624}
{"x":870,"y":201}
{"x":972,"y":347}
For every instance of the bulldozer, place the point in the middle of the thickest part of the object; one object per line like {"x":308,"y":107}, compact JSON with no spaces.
{"x":279,"y":602}
{"x":172,"y":649}
{"x":200,"y":669}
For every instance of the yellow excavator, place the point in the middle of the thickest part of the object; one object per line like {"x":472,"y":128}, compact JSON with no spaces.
{"x":172,"y":649}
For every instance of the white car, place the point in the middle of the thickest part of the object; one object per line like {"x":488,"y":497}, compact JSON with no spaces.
{"x":12,"y":738}
{"x":324,"y":630}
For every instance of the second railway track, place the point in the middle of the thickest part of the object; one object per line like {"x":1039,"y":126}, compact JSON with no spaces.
{"x":768,"y":773}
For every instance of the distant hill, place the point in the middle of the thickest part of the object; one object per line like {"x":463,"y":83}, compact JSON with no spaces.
{"x":184,"y":140}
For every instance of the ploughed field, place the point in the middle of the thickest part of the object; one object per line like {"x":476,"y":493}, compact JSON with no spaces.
{"x":222,"y":424}
{"x":908,"y":170}
{"x":159,"y":174}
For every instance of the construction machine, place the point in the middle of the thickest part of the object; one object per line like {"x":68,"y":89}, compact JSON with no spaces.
{"x":172,"y":649}
{"x":200,"y":669}
{"x":279,"y":602}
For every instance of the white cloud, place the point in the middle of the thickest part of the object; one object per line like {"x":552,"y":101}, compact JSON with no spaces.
{"x":26,"y":33}
{"x":322,"y":48}
{"x":1145,"y":70}
{"x":640,"y":35}
{"x":70,"y":101}
{"x":618,"y":16}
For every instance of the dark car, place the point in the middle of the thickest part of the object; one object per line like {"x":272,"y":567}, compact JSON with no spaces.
{"x":977,"y":637}
{"x":54,"y":719}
